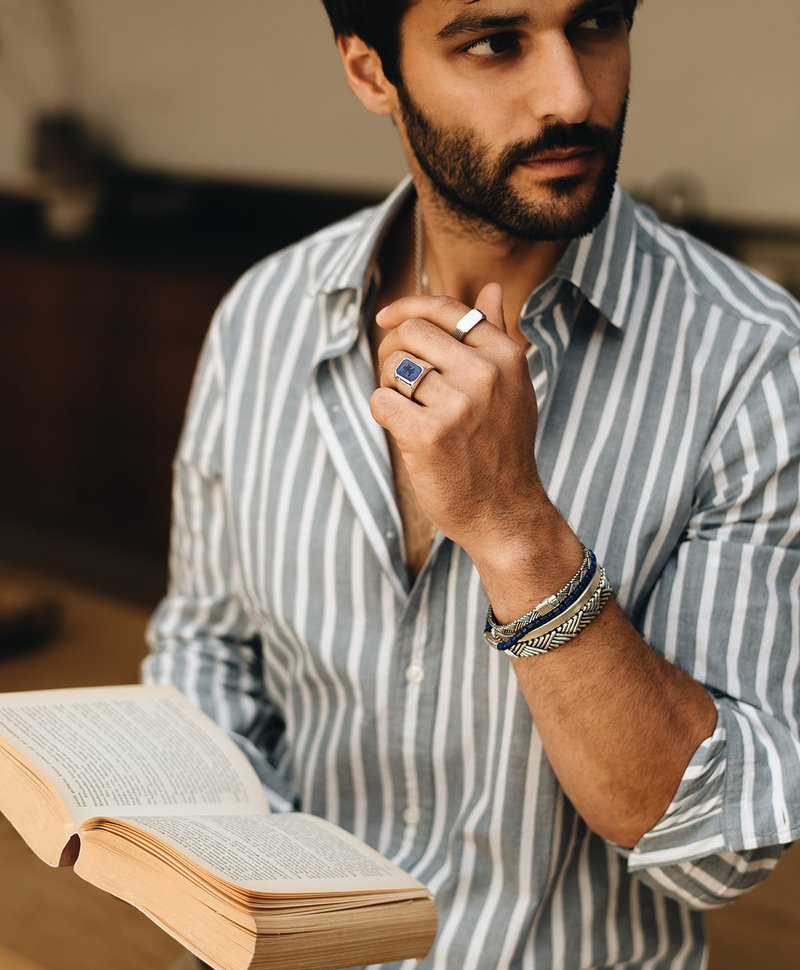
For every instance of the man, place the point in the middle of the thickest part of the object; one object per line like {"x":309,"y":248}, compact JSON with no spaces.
{"x":508,"y":387}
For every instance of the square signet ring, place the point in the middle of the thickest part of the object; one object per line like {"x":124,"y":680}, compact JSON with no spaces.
{"x":470,"y":319}
{"x":408,"y":375}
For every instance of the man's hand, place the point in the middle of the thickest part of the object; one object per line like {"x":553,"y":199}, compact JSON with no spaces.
{"x":468,"y":435}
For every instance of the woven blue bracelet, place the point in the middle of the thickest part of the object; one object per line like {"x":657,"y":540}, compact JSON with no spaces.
{"x":562,"y":607}
{"x":497,"y":634}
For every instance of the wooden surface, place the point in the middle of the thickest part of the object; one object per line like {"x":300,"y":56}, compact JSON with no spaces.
{"x":52,"y":920}
{"x":12,"y":961}
{"x":762,"y":929}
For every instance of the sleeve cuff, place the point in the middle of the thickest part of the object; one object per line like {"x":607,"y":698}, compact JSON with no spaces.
{"x":693,"y":825}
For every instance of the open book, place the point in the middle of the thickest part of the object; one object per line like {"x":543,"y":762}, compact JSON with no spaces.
{"x":149,"y":800}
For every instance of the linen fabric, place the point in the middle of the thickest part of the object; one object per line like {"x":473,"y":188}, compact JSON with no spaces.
{"x":668,"y":381}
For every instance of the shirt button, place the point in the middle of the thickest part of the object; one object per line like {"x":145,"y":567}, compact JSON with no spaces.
{"x":411,"y":816}
{"x":414,"y":674}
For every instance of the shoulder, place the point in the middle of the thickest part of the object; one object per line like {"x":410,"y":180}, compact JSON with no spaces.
{"x":714,"y":279}
{"x":304,"y":263}
{"x":333,"y":259}
{"x":281,"y":296}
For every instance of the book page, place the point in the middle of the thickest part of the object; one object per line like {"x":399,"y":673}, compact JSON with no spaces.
{"x":264,"y":853}
{"x":117,"y":750}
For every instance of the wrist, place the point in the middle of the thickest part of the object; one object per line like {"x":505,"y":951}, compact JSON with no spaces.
{"x":557,"y":619}
{"x":531,"y":562}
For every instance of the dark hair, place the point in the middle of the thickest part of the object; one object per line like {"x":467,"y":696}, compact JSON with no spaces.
{"x":377,"y":23}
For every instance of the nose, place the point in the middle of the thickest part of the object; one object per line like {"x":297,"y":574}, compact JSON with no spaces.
{"x":558,"y":90}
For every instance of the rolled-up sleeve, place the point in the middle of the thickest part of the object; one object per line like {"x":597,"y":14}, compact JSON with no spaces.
{"x":685,"y":855}
{"x":727,"y":610}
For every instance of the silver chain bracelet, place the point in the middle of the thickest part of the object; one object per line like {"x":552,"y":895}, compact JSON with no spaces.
{"x":557,"y":619}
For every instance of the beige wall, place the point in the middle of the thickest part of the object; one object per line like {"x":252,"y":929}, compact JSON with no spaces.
{"x":183,"y":85}
{"x":716,"y":92}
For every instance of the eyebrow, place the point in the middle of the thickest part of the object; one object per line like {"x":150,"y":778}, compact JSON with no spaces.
{"x":471,"y":22}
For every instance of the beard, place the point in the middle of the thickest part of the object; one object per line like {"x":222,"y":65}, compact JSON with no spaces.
{"x":474,"y":185}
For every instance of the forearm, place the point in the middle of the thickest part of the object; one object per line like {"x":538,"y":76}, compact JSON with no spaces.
{"x":618,"y":722}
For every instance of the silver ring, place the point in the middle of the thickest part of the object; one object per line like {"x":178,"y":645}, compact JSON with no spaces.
{"x":408,"y":375}
{"x":470,"y":319}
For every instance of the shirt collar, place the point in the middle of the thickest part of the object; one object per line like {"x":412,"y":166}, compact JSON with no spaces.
{"x":352,"y":268}
{"x":600,"y":265}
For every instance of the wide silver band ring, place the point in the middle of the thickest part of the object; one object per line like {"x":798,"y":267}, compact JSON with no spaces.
{"x":409,"y":374}
{"x":470,"y":319}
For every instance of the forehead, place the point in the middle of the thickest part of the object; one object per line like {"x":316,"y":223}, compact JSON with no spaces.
{"x":473,"y":12}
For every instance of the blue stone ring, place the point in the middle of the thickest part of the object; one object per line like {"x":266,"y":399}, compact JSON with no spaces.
{"x":408,"y":374}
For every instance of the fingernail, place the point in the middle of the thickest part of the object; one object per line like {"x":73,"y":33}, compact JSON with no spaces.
{"x":380,"y":313}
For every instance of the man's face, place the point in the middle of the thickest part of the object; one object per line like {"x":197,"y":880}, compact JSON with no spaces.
{"x":514,"y":109}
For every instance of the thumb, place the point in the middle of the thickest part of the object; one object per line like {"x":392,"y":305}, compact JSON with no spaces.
{"x":490,"y":302}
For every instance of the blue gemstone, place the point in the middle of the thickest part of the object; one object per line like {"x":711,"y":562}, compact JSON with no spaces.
{"x":409,"y":370}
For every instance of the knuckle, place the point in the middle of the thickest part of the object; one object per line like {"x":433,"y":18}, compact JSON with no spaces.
{"x":433,"y":433}
{"x":391,"y":362}
{"x":519,"y":362}
{"x":413,"y":327}
{"x":451,"y":305}
{"x":385,"y":350}
{"x":511,"y":355}
{"x":462,"y":408}
{"x":383,"y":405}
{"x":487,"y":373}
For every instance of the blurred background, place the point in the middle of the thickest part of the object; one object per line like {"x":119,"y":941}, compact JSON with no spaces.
{"x":150,"y":151}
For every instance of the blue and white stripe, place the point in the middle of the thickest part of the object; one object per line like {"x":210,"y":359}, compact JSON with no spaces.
{"x":669,"y":386}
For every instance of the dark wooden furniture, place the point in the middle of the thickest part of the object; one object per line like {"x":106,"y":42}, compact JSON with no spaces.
{"x":99,"y":338}
{"x":97,"y":358}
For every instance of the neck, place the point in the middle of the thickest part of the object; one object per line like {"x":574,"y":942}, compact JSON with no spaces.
{"x":461,"y":255}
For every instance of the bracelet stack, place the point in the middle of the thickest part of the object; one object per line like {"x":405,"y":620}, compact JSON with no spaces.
{"x":557,"y":619}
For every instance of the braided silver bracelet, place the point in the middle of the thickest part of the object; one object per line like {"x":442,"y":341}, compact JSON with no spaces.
{"x":497,"y":633}
{"x":538,"y":643}
{"x":559,"y":625}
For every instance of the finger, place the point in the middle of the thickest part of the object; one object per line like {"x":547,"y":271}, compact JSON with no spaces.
{"x":430,"y":390}
{"x":443,"y":311}
{"x":422,"y":339}
{"x":490,"y":302}
{"x":394,"y":412}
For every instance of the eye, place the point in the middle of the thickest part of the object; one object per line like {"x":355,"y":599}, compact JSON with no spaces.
{"x":492,"y":46}
{"x":605,"y":21}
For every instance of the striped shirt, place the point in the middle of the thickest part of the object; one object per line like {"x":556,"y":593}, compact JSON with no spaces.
{"x":668,"y":381}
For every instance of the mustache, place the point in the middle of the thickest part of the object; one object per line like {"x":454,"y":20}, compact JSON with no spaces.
{"x":558,"y":136}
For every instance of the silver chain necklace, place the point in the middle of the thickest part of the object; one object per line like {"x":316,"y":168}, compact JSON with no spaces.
{"x":421,"y":285}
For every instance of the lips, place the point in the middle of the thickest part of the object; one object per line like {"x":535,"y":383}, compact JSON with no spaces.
{"x":560,"y":155}
{"x":561,"y":161}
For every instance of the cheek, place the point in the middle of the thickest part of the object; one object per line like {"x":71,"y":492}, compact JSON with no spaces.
{"x":608,"y":82}
{"x":472,"y":109}
{"x":488,"y":108}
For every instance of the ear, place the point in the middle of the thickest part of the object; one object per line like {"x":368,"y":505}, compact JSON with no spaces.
{"x":364,"y":72}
